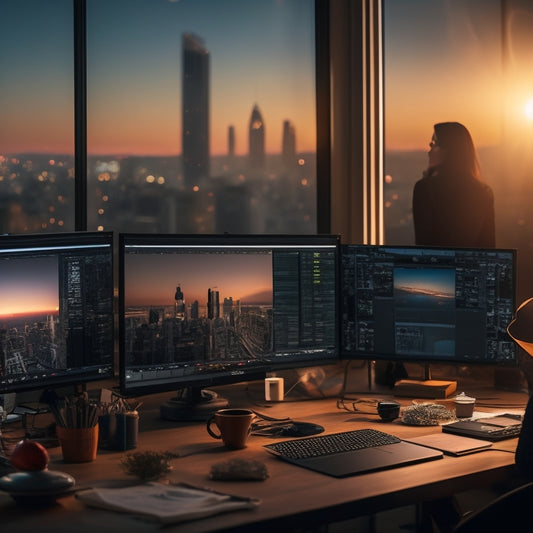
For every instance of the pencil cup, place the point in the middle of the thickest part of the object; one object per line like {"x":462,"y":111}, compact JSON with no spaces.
{"x":78,"y":445}
{"x":464,"y":405}
{"x":118,"y":431}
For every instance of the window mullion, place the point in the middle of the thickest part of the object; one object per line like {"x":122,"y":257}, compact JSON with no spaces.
{"x":80,"y":114}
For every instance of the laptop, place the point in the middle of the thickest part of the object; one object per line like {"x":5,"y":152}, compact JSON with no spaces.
{"x":362,"y":461}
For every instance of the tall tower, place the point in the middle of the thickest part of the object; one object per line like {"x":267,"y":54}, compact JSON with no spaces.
{"x":195,"y":110}
{"x":213,"y":306}
{"x":288,"y":148}
{"x":257,"y":139}
{"x":179,"y":304}
{"x":231,"y":141}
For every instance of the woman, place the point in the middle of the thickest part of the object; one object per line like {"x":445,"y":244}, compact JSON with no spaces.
{"x":451,"y":205}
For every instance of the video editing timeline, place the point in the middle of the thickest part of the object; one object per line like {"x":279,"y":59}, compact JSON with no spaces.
{"x":56,"y":315}
{"x":427,"y":304}
{"x":193,"y":312}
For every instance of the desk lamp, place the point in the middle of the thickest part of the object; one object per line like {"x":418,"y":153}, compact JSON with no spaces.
{"x":520,"y":329}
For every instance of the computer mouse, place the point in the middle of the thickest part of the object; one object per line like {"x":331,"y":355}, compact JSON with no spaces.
{"x":301,"y":429}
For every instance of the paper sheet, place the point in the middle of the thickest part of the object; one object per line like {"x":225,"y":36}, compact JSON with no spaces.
{"x":166,"y":503}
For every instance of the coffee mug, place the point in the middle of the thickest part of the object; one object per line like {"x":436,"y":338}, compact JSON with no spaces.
{"x":388,"y":410}
{"x":464,"y":405}
{"x":234,"y":426}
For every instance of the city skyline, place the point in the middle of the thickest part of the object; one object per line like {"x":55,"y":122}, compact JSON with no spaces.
{"x":152,"y":279}
{"x":134,"y":74}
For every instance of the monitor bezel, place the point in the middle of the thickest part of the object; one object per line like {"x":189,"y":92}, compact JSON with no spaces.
{"x":212,"y":380}
{"x":74,"y":239}
{"x":346,"y":355}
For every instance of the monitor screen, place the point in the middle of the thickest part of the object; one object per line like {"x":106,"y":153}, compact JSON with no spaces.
{"x":56,"y":310}
{"x":212,"y":309}
{"x":422,"y":304}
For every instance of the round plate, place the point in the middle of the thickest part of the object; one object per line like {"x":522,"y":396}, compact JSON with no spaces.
{"x":37,"y":487}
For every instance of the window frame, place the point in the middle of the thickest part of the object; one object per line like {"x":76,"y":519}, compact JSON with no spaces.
{"x":357,"y":121}
{"x":323,"y":115}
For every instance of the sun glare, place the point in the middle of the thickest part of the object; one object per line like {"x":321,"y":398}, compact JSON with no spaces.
{"x":528,"y":109}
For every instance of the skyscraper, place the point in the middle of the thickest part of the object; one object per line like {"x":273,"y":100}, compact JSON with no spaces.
{"x":231,"y":141}
{"x":213,"y":304}
{"x":179,"y":304}
{"x":195,"y":110}
{"x":288,"y":144}
{"x":257,"y":139}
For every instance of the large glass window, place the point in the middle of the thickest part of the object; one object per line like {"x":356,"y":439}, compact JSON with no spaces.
{"x":201,"y":116}
{"x":37,"y":117}
{"x":452,"y":60}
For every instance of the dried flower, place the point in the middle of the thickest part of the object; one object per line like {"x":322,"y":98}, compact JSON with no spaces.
{"x":427,"y":414}
{"x":148,"y":465}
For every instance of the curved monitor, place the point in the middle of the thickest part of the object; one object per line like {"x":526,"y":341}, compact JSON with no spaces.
{"x":424,"y":304}
{"x":56,"y":310}
{"x":201,"y":310}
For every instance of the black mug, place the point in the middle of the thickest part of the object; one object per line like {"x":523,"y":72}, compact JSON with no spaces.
{"x":388,"y":410}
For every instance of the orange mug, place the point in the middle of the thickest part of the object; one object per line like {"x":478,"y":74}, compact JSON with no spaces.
{"x":233,"y":425}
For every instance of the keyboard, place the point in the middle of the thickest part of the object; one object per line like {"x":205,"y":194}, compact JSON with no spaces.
{"x":324,"y":445}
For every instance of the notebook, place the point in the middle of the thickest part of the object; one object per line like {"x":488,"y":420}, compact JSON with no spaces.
{"x":451,"y":444}
{"x":361,"y":461}
{"x":492,"y":428}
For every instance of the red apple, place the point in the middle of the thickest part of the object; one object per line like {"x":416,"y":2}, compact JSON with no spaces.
{"x":29,"y":455}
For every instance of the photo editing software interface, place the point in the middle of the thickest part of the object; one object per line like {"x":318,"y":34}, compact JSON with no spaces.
{"x":205,"y":310}
{"x":56,"y":310}
{"x":427,"y":304}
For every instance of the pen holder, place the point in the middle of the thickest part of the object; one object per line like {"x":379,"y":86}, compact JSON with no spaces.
{"x":118,"y":431}
{"x":78,"y":445}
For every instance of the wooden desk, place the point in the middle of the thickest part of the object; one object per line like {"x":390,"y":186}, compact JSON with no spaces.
{"x":291,"y":496}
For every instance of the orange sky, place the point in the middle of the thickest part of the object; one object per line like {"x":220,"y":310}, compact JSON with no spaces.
{"x":152,"y":279}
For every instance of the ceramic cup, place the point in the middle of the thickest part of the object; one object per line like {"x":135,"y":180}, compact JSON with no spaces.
{"x":388,"y":410}
{"x":464,"y":406}
{"x":232,"y":426}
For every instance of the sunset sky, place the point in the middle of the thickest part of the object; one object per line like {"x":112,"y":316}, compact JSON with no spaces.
{"x":431,"y":280}
{"x":447,"y":60}
{"x":261,"y":52}
{"x":152,"y":279}
{"x":442,"y":63}
{"x":28,"y":286}
{"x":443,"y":60}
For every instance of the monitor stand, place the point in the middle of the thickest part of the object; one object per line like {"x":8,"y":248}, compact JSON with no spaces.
{"x":425,"y":388}
{"x":192,"y":403}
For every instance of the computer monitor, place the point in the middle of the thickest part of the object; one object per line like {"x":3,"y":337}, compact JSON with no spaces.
{"x":56,"y":310}
{"x":205,"y":310}
{"x":428,"y":305}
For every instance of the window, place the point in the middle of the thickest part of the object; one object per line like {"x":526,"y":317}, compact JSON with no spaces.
{"x":37,"y":110}
{"x":201,"y":116}
{"x":467,"y":62}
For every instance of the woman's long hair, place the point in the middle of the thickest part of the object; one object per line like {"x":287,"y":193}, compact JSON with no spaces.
{"x":460,"y":157}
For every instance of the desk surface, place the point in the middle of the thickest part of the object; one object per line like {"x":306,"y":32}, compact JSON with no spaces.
{"x":291,"y":496}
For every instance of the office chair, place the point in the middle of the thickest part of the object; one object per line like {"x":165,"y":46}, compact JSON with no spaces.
{"x":510,"y":512}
